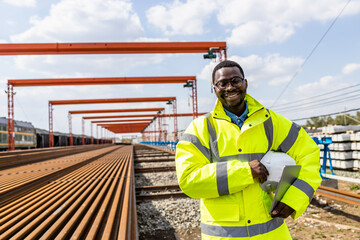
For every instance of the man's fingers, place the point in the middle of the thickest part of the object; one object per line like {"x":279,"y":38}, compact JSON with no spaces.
{"x":282,"y":210}
{"x":258,"y":170}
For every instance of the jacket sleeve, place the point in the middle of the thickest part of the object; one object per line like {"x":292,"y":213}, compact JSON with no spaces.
{"x":198,"y":177}
{"x":290,"y":138}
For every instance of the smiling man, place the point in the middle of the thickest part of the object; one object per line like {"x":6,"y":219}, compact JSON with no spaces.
{"x":218,"y":161}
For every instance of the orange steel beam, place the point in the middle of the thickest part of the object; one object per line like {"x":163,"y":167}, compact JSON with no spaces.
{"x":99,"y":81}
{"x":110,"y":48}
{"x":143,"y":115}
{"x":118,"y":110}
{"x":113,"y":100}
{"x":179,"y":115}
{"x":129,"y":120}
{"x":122,"y":125}
{"x":122,"y":116}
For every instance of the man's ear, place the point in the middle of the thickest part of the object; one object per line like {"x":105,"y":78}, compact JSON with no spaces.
{"x":246,"y":83}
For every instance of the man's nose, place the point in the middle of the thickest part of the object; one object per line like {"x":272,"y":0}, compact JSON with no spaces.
{"x":229,"y":86}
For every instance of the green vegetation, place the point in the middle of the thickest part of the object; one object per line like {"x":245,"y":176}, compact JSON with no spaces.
{"x":354,"y":187}
{"x":345,"y":119}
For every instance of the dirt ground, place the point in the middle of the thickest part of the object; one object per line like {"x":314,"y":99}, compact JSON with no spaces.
{"x":324,"y":219}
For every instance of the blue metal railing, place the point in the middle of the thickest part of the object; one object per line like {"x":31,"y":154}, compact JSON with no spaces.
{"x":326,"y":141}
{"x":170,"y":145}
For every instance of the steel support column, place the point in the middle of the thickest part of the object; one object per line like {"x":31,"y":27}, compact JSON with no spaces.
{"x":159,"y":123}
{"x":71,"y":143}
{"x":92,"y":138}
{"x":175,"y":121}
{"x":194,"y":99}
{"x":11,"y":121}
{"x":51,"y":131}
{"x":83,"y":130}
{"x":97,"y":134}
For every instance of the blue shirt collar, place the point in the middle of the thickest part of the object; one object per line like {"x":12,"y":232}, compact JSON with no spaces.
{"x":238,"y":120}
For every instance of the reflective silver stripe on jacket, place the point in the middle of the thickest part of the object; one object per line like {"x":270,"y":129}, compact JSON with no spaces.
{"x":222,"y":178}
{"x":195,"y":140}
{"x":269,"y":131}
{"x":236,"y":232}
{"x":305,"y":187}
{"x":290,"y":138}
{"x":221,"y":168}
{"x":213,"y":141}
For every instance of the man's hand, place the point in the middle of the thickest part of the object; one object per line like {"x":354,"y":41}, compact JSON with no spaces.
{"x":258,"y":170}
{"x":282,"y":210}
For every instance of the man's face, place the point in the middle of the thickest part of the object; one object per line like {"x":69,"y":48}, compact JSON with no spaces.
{"x":232,"y":95}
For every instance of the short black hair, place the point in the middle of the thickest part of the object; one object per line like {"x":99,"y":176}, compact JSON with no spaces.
{"x":226,"y":63}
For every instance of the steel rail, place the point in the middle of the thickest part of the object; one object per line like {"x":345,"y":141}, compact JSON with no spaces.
{"x":32,"y":181}
{"x":154,"y":169}
{"x":39,"y":215}
{"x":339,"y":195}
{"x":31,"y":212}
{"x":158,"y":187}
{"x":95,"y":201}
{"x":143,"y":197}
{"x":19,"y":159}
{"x":155,"y":160}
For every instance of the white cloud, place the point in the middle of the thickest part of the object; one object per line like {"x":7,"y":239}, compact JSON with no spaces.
{"x":351,"y":67}
{"x":249,"y":21}
{"x":3,"y":41}
{"x":272,"y":69}
{"x":82,"y":20}
{"x":325,"y":84}
{"x":260,"y":33}
{"x":206,"y":72}
{"x":186,"y":18}
{"x":258,"y":22}
{"x":21,"y":3}
{"x":146,"y":39}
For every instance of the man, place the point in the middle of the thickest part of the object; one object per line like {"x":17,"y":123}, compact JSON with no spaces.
{"x":218,"y":161}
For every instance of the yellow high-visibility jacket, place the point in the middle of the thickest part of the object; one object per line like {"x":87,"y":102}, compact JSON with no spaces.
{"x":212,"y":164}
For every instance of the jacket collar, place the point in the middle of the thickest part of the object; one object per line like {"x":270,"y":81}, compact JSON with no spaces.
{"x":252,"y":104}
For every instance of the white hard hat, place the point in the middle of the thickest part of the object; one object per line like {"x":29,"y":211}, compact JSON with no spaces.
{"x":275,"y":163}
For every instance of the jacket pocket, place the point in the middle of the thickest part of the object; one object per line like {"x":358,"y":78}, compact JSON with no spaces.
{"x":221,"y":212}
{"x":267,"y":201}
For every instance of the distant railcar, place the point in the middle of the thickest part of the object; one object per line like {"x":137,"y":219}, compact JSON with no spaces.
{"x":25,"y":135}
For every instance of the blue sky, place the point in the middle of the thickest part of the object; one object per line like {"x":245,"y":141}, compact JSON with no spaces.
{"x":270,"y":39}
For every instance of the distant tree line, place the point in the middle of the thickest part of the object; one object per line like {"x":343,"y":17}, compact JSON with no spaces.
{"x":345,"y":119}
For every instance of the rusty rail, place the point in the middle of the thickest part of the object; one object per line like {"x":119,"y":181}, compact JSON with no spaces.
{"x":339,"y":195}
{"x":18,"y":158}
{"x":159,"y":192}
{"x":94,"y":201}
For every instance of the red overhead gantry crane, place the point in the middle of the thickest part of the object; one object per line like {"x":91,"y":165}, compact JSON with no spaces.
{"x":99,"y":101}
{"x":102,"y":111}
{"x":189,"y":80}
{"x":102,"y":48}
